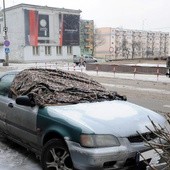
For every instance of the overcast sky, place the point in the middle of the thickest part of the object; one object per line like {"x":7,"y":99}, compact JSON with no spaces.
{"x":151,"y":15}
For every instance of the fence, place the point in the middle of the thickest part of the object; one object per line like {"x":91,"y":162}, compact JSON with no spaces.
{"x":133,"y":69}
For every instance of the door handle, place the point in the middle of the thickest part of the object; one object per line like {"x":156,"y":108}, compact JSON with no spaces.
{"x":10,"y":105}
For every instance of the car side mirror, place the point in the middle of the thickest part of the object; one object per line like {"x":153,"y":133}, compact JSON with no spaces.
{"x":25,"y":101}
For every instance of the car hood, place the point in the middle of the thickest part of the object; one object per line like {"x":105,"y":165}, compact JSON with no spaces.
{"x":119,"y":118}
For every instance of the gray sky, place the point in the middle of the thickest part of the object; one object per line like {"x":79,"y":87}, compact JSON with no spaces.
{"x":129,"y":14}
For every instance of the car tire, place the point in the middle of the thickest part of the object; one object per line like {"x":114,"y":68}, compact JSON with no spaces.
{"x":55,"y":155}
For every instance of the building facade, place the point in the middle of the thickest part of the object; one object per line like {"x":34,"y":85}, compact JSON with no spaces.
{"x":87,"y":36}
{"x":132,"y":44}
{"x":41,"y":33}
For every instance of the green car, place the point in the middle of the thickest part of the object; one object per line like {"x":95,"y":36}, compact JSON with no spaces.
{"x":72,"y":122}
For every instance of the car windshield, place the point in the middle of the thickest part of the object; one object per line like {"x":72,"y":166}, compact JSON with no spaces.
{"x":50,"y":87}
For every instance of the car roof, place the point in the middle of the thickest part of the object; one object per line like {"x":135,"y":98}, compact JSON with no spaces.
{"x":10,"y":72}
{"x":55,"y":86}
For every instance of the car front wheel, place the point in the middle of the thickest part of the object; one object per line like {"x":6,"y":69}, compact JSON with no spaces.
{"x":55,"y":156}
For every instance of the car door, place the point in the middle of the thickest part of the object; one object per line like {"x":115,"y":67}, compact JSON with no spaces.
{"x":18,"y":121}
{"x":22,"y":121}
{"x":5,"y":82}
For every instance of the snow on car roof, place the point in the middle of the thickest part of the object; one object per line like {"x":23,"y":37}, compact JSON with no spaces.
{"x":50,"y":87}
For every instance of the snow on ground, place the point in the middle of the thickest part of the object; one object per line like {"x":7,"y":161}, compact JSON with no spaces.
{"x":71,"y":67}
{"x":14,"y":157}
{"x":147,"y":65}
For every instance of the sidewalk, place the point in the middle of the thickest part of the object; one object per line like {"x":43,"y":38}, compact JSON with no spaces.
{"x":141,"y":77}
{"x":72,"y":67}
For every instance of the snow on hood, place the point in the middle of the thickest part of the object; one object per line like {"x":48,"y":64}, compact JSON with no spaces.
{"x":119,"y":118}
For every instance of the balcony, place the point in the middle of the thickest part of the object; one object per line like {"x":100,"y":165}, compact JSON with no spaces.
{"x":88,"y":39}
{"x":88,"y":26}
{"x":88,"y":45}
{"x":88,"y":33}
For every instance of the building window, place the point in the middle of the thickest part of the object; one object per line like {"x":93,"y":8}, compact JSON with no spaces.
{"x":47,"y":50}
{"x":35,"y":50}
{"x":58,"y":50}
{"x":69,"y":50}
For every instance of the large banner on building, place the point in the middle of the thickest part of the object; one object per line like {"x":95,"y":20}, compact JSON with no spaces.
{"x":36,"y":28}
{"x":31,"y":27}
{"x":70,"y":29}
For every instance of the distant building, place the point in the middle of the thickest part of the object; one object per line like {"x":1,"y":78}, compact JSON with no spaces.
{"x":86,"y":36}
{"x":132,"y":44}
{"x":41,"y":33}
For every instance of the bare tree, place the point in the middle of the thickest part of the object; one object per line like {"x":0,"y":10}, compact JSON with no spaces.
{"x":136,"y":48}
{"x":162,"y":143}
{"x":117,"y":51}
{"x":125,"y":49}
{"x":149,"y":52}
{"x":98,"y":40}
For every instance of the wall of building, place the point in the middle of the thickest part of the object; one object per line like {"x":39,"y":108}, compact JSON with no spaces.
{"x":41,"y":57}
{"x":15,"y":24}
{"x":103,"y":36}
{"x":25,"y":47}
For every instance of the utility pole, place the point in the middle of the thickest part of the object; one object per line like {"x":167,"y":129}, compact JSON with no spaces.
{"x":6,"y":42}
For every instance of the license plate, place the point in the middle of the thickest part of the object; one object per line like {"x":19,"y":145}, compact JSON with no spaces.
{"x":151,"y":154}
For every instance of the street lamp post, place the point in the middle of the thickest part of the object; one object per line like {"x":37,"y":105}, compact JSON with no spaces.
{"x":5,"y":29}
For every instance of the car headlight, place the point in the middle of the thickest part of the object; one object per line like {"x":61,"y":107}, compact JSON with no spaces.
{"x":95,"y":141}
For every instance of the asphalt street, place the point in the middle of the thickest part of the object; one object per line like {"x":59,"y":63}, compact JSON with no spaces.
{"x":152,"y":95}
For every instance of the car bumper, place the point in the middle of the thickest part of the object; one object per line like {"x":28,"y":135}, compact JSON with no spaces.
{"x":104,"y":158}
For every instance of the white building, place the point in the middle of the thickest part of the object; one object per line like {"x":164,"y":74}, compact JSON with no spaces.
{"x":132,"y":44}
{"x":40,"y":33}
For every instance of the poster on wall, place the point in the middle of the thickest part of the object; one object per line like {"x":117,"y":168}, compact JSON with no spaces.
{"x":43,"y":28}
{"x":36,"y":28}
{"x":70,"y":29}
{"x":31,"y":27}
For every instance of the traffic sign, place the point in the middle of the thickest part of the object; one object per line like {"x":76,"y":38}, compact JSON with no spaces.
{"x":6,"y":43}
{"x":7,"y":50}
{"x":5,"y":29}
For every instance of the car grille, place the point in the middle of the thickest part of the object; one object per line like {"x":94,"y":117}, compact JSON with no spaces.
{"x":138,"y":138}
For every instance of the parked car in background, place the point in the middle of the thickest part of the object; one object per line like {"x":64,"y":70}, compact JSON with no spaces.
{"x":82,"y":60}
{"x":168,"y":66}
{"x":71,"y":121}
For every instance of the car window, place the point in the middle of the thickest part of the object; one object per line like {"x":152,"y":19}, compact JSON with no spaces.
{"x":5,"y":83}
{"x":8,"y":77}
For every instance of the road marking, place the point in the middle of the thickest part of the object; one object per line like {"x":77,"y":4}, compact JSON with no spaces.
{"x":137,"y":88}
{"x":166,"y":106}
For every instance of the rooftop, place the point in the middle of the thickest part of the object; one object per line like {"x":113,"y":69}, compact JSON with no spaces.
{"x":22,"y":5}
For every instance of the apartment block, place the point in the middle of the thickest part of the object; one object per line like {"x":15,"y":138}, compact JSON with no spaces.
{"x":87,"y":36}
{"x":132,"y":44}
